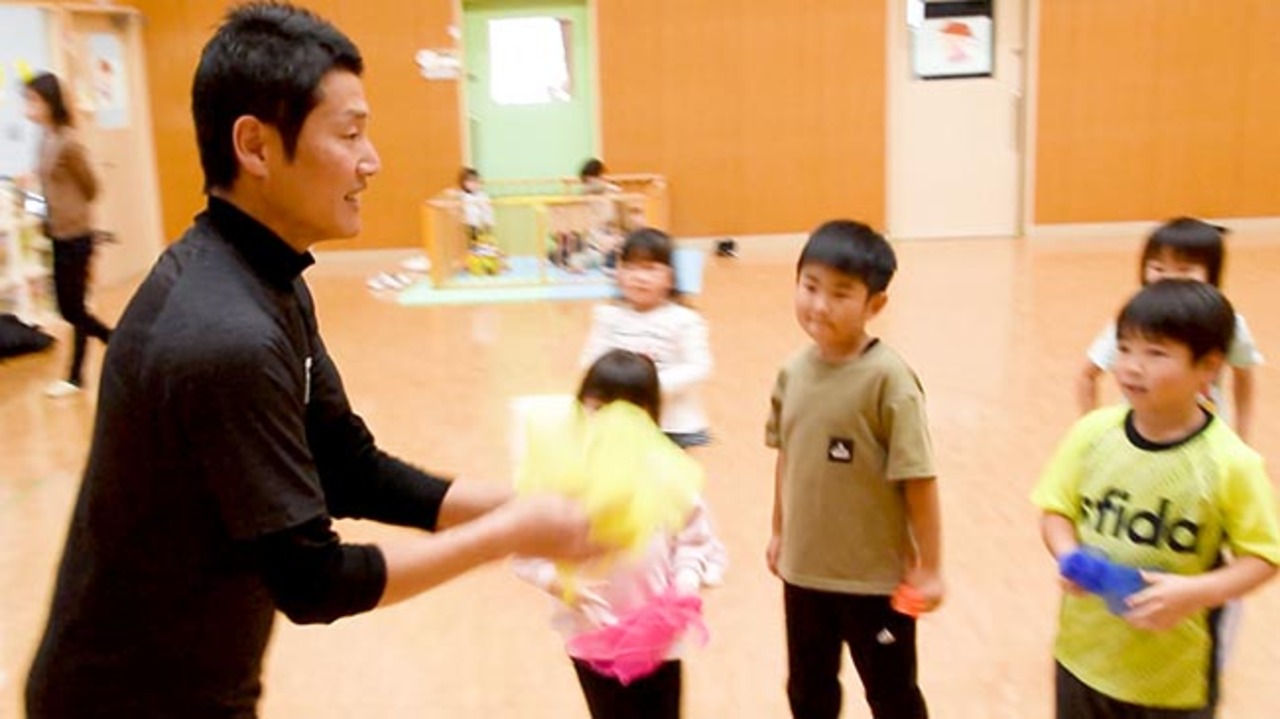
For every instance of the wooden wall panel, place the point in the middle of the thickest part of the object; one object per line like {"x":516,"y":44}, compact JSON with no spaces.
{"x":769,"y":117}
{"x":765,"y":117}
{"x":1152,"y":108}
{"x":174,"y":33}
{"x":415,"y":123}
{"x":415,"y":126}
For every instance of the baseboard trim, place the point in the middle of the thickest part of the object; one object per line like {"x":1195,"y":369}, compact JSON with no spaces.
{"x":1097,"y":230}
{"x":387,"y":254}
{"x":788,"y":239}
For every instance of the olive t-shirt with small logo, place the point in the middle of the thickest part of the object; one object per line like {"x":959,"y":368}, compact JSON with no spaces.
{"x":850,"y":432}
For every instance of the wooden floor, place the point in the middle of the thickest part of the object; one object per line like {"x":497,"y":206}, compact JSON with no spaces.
{"x":996,"y":330}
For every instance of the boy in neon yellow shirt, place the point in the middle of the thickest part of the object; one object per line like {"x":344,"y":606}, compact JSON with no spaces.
{"x":1165,"y":486}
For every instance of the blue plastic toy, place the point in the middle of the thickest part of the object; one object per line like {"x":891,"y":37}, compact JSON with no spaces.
{"x":1094,"y":573}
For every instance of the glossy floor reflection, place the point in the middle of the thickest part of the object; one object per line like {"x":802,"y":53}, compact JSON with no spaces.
{"x":996,"y":330}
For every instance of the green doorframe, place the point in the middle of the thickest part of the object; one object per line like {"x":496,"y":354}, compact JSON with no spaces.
{"x":518,"y":141}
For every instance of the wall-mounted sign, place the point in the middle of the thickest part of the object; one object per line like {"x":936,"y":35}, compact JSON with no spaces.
{"x":953,"y":40}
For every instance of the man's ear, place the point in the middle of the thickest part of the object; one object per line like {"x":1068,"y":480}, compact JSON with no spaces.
{"x":249,"y":142}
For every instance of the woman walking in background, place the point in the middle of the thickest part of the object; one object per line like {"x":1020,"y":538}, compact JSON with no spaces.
{"x":69,"y":185}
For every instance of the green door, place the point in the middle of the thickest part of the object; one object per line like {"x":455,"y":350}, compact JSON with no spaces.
{"x":530,"y":87}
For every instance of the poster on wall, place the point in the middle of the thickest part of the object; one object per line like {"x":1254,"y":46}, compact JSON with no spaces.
{"x":107,"y":81}
{"x":953,"y":40}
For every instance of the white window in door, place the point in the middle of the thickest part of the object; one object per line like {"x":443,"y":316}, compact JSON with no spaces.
{"x":530,"y":61}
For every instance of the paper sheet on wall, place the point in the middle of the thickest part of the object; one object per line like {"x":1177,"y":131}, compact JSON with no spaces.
{"x":953,"y":47}
{"x":106,"y":75}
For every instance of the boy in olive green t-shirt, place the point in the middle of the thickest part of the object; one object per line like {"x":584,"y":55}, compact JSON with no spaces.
{"x":855,"y":512}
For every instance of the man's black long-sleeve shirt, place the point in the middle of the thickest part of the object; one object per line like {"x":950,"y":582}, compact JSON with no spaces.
{"x":223,"y":445}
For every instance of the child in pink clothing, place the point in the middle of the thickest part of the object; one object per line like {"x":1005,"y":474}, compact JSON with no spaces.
{"x":674,"y":564}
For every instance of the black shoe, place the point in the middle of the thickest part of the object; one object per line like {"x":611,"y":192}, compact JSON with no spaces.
{"x":727,"y":248}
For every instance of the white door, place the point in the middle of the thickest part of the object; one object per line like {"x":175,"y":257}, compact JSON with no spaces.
{"x":955,"y":143}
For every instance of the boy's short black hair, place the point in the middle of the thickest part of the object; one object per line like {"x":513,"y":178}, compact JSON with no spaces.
{"x":1194,"y":314}
{"x":623,"y":375}
{"x":267,"y":60}
{"x":1190,"y":240}
{"x":853,"y":248}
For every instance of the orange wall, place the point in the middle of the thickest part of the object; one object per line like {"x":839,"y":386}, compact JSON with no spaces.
{"x":415,"y":122}
{"x":769,"y":116}
{"x":1153,"y":108}
{"x":764,"y":116}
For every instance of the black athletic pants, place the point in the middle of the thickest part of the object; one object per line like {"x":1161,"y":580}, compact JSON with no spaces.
{"x":1077,"y":700}
{"x":70,"y":280}
{"x":881,"y":641}
{"x":656,"y":696}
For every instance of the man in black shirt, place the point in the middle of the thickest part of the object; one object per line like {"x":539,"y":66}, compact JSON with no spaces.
{"x":224,"y":443}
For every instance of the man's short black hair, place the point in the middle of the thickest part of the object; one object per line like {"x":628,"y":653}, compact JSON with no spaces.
{"x":267,"y":60}
{"x":1191,"y":313}
{"x":852,"y":248}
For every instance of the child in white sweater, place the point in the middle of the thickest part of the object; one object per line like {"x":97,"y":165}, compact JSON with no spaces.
{"x":650,"y":321}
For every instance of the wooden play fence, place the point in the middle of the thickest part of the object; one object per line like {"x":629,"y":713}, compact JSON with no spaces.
{"x":528,"y":212}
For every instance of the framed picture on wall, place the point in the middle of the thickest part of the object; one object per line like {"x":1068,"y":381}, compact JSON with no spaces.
{"x":953,"y":40}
